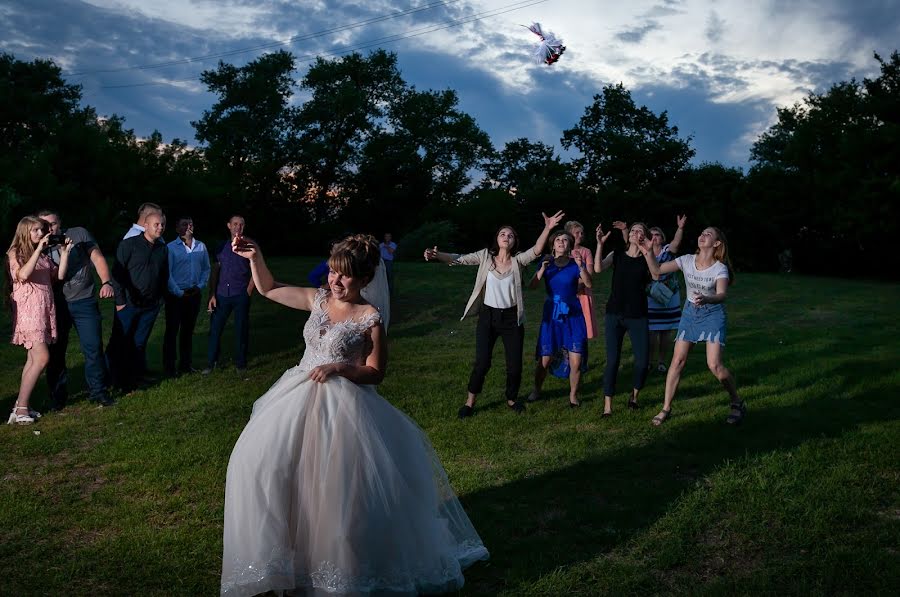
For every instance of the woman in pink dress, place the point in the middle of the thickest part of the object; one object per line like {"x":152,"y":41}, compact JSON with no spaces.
{"x":585,"y":297}
{"x":31,"y":274}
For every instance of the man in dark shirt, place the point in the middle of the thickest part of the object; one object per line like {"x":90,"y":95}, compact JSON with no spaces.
{"x":140,"y":277}
{"x":230,"y":287}
{"x":77,"y":306}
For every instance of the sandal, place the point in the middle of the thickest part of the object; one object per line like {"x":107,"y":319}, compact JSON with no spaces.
{"x":25,"y":419}
{"x":662,"y":417}
{"x":738,"y":410}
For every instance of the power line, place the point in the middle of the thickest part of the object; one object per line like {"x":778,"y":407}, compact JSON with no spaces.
{"x":268,"y":45}
{"x":375,"y":42}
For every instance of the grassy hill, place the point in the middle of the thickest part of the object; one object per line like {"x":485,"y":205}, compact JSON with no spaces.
{"x":802,"y":498}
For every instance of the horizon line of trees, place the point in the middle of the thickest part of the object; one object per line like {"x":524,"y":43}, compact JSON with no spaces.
{"x":365,"y":151}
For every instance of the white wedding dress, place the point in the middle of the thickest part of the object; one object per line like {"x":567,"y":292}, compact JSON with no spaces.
{"x":331,"y":490}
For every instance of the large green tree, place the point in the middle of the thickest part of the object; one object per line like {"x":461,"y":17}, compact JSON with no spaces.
{"x":828,"y":172}
{"x":626,"y":151}
{"x":348,"y":99}
{"x":246,"y":132}
{"x":420,"y":163}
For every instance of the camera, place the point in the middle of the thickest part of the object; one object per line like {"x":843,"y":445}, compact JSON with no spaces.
{"x":56,"y":239}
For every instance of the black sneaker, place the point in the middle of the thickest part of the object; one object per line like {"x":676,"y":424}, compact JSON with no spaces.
{"x":466,"y":411}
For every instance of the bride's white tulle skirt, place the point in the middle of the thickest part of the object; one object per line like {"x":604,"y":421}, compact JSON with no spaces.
{"x":331,"y":490}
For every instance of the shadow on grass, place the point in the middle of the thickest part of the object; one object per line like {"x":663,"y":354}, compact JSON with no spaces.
{"x":536,"y":525}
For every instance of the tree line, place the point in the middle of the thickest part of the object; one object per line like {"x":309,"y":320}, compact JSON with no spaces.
{"x":351,"y":146}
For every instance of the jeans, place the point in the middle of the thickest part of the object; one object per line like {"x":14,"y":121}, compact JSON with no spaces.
{"x":126,"y":352}
{"x":492,"y":324}
{"x":85,"y":316}
{"x":240,"y":305}
{"x":639,"y":332}
{"x":181,"y":318}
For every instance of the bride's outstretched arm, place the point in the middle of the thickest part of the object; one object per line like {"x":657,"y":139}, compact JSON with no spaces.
{"x":370,"y":373}
{"x":291,"y":296}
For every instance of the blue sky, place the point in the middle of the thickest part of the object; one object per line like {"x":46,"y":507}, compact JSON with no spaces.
{"x":719,"y":67}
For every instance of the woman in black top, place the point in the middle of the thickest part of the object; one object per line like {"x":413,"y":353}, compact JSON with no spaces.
{"x":626,"y":309}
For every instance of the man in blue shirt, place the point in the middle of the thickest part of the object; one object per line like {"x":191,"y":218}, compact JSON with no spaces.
{"x":188,"y":274}
{"x":388,"y":247}
{"x":230,"y":287}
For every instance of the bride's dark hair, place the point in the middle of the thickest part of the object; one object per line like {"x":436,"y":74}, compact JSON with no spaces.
{"x":356,"y":256}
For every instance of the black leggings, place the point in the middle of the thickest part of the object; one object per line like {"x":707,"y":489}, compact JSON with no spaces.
{"x":492,"y":324}
{"x":639,"y":332}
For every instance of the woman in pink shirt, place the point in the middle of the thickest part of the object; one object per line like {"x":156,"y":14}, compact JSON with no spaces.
{"x":585,"y":296}
{"x":31,"y":273}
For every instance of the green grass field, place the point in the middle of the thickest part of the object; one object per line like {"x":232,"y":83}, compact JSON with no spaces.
{"x":803,"y":498}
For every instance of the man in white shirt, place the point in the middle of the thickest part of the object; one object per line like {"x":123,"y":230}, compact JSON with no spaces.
{"x":188,"y":275}
{"x":145,"y":210}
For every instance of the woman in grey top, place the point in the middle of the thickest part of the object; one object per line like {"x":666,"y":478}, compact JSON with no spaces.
{"x":497,"y":298}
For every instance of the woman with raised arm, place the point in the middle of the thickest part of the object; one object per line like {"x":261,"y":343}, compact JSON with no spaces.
{"x":562,"y":339}
{"x":497,"y":298}
{"x":30,"y":275}
{"x":330,"y":489}
{"x":585,"y":295}
{"x":664,"y":295}
{"x":626,"y":309}
{"x":707,"y":274}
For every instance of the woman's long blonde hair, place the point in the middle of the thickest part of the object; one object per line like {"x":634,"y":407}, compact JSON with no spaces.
{"x":22,"y":248}
{"x":21,"y":245}
{"x":720,"y":253}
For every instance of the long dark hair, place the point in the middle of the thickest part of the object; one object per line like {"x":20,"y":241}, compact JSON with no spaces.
{"x":495,"y":248}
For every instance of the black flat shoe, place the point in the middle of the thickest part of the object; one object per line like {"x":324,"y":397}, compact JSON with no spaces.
{"x":466,"y":411}
{"x":516,"y":407}
{"x":632,"y":404}
{"x":605,"y":415}
{"x":574,"y":404}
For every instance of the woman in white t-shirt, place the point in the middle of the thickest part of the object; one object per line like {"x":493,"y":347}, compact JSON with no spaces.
{"x":707,"y":275}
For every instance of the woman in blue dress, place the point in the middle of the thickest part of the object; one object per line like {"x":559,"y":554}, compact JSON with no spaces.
{"x":562,"y":339}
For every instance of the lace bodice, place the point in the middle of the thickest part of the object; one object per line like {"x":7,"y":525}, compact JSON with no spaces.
{"x":342,"y":342}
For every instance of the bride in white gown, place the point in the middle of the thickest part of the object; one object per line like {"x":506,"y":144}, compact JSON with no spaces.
{"x":330,"y":489}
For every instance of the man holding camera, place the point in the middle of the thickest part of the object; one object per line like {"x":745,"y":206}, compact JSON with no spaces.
{"x":76,"y":305}
{"x":188,"y":274}
{"x":140,"y":277}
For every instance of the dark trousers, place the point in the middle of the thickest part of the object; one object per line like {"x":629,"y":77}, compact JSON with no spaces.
{"x":240,"y":305}
{"x":84,"y":315}
{"x":639,"y":333}
{"x":127,"y":349}
{"x":493,"y":324}
{"x":181,"y":318}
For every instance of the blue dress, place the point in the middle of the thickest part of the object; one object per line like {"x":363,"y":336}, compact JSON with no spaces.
{"x":562,"y":326}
